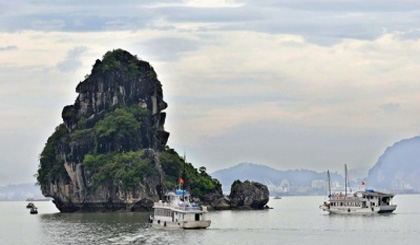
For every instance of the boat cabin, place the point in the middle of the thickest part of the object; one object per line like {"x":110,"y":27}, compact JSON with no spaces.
{"x":178,"y":211}
{"x":368,"y":199}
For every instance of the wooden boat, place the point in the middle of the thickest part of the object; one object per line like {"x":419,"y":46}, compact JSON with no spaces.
{"x":367,"y":201}
{"x":34,"y":210}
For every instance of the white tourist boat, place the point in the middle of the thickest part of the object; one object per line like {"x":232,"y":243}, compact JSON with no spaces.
{"x":367,"y":201}
{"x":176,"y":212}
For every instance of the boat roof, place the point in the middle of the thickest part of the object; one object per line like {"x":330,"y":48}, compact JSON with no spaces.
{"x":370,"y":192}
{"x":177,"y":193}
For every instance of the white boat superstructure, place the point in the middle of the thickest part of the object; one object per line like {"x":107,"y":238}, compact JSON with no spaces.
{"x":176,"y":212}
{"x":367,"y":201}
{"x":361,"y":202}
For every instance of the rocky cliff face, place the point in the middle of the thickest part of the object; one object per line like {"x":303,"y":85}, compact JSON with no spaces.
{"x":105,"y":154}
{"x":248,"y":195}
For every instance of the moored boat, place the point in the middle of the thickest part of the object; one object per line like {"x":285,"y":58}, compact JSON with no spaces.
{"x":176,"y":212}
{"x":34,"y":210}
{"x":30,"y":205}
{"x":367,"y":201}
{"x":361,"y":202}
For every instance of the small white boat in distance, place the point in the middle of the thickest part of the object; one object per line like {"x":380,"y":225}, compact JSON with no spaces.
{"x":176,"y":212}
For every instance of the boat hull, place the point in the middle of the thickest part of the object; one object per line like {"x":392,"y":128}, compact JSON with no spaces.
{"x":189,"y":225}
{"x":387,"y":209}
{"x":202,"y":224}
{"x":361,"y":211}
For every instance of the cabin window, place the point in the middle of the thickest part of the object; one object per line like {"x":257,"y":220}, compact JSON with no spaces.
{"x":197,"y":217}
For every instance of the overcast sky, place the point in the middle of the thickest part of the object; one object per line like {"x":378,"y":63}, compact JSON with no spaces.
{"x":291,"y":84}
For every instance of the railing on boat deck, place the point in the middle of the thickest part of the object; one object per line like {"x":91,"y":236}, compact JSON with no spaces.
{"x":343,"y":197}
{"x":186,"y":208}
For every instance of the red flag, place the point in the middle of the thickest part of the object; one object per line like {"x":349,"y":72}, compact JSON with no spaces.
{"x":181,"y":181}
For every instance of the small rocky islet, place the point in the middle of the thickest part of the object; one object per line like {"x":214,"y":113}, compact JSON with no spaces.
{"x":111,"y":153}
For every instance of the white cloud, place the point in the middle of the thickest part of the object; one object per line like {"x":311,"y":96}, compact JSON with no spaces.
{"x":213,"y":3}
{"x":71,"y":62}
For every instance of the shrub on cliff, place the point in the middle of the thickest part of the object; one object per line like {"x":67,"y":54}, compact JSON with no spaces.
{"x":127,"y":167}
{"x":199,"y":184}
{"x":50,"y":162}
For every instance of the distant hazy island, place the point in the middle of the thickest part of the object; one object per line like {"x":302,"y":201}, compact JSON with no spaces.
{"x":397,"y":170}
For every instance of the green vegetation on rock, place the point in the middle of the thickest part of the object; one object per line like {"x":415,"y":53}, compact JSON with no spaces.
{"x":127,"y":167}
{"x":110,"y":62}
{"x":50,"y":162}
{"x":119,"y":127}
{"x":198,"y":183}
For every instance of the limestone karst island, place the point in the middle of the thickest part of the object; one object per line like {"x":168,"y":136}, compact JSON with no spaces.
{"x":110,"y":152}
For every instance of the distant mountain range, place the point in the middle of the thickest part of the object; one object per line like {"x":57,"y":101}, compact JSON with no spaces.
{"x":398,"y":169}
{"x":291,"y":182}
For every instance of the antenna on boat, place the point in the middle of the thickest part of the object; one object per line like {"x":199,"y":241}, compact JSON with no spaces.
{"x":329,"y":183}
{"x":183,"y":180}
{"x":345,"y":180}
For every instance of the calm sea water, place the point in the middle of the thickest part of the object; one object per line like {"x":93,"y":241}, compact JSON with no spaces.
{"x":294,"y":220}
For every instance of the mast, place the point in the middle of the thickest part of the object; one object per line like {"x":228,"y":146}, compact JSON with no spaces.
{"x":329,"y":183}
{"x":345,"y":180}
{"x":183,"y":176}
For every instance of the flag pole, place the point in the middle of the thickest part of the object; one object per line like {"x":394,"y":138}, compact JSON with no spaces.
{"x":183,"y":179}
